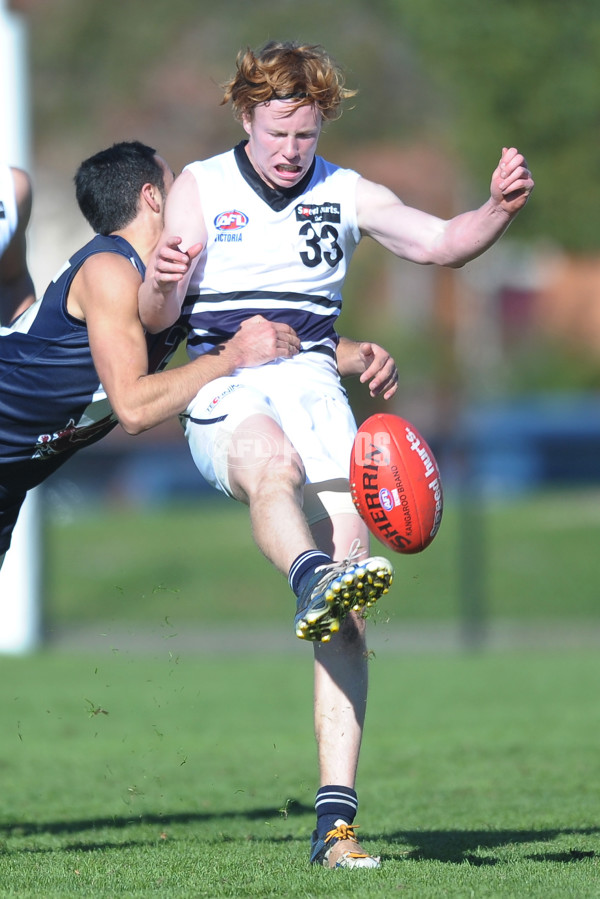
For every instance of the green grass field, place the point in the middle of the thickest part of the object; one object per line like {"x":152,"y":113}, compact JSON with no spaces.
{"x":181,"y":773}
{"x":181,"y":776}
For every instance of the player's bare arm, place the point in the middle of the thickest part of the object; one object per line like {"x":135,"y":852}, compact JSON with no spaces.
{"x":171,"y":266}
{"x":468,"y":235}
{"x":426,"y":239}
{"x":105,"y":293}
{"x":371,"y":362}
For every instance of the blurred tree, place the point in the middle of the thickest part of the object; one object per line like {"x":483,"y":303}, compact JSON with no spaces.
{"x":524,"y":73}
{"x":105,"y":70}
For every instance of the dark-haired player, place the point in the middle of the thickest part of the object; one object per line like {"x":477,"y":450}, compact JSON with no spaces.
{"x":77,"y":361}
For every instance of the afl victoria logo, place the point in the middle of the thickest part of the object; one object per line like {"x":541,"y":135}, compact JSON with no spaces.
{"x":231,"y":221}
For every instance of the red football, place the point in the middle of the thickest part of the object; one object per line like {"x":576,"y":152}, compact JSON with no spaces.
{"x":396,"y":484}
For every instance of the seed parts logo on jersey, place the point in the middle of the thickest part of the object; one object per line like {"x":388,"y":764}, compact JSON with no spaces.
{"x":318,"y":212}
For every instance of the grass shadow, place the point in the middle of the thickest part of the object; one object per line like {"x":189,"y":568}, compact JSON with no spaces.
{"x":458,"y":846}
{"x":119,"y":822}
{"x":477,"y":847}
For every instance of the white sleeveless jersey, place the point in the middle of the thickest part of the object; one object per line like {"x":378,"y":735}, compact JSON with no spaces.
{"x":279,"y":253}
{"x":8,"y":207}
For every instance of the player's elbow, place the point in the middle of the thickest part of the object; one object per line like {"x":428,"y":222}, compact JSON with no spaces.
{"x":157,"y":314}
{"x":133,"y":421}
{"x":447,"y":259}
{"x":156,"y":324}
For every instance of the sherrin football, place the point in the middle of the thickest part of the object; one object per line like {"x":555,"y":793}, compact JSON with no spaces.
{"x":395,"y":483}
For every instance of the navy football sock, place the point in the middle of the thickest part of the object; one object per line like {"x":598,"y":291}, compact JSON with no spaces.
{"x":332,"y":804}
{"x":303,"y":567}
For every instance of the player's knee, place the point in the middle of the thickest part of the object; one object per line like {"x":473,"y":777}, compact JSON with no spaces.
{"x":283,"y":470}
{"x":278,"y":474}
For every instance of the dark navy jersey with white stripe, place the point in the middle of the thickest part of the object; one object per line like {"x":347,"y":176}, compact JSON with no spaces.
{"x":279,"y":253}
{"x":51,"y":399}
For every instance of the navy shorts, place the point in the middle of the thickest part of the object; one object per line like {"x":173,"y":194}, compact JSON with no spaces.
{"x":16,"y":478}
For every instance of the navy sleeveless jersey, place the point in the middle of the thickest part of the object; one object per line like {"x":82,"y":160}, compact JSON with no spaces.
{"x":51,"y":400}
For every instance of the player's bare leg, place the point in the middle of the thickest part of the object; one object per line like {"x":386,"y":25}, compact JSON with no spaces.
{"x":267,"y":474}
{"x":341,"y":668}
{"x":341,"y":682}
{"x":340,"y":700}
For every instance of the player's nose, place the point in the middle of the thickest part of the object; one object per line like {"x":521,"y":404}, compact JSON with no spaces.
{"x":290,"y":149}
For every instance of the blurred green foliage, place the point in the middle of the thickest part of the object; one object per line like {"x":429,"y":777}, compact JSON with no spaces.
{"x":471,"y":76}
{"x":523,"y":73}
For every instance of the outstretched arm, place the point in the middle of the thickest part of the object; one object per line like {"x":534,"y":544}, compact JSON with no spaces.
{"x":423,"y":238}
{"x":371,"y":362}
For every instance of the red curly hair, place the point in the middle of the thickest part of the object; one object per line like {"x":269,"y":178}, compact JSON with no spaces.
{"x":288,"y":70}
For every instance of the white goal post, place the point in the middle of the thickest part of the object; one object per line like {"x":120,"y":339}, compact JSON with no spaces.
{"x":20,"y":575}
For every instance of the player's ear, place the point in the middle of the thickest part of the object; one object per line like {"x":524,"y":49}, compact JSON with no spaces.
{"x":152,"y":196}
{"x":247,"y":122}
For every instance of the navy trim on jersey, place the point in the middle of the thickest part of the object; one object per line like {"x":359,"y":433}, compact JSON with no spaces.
{"x":304,"y":294}
{"x":275,"y":197}
{"x":214,"y":327}
{"x":209,"y":328}
{"x":324,"y":350}
{"x":252,"y":295}
{"x":203,"y":421}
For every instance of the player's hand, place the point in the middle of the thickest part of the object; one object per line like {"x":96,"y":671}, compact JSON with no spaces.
{"x":512,"y":183}
{"x":172,"y":264}
{"x":380,"y":370}
{"x":258,"y":341}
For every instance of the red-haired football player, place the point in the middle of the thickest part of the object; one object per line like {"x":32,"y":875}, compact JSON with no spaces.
{"x":270,"y":227}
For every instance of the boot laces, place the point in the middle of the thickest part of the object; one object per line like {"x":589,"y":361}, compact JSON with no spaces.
{"x":355,"y":551}
{"x":342,"y":832}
